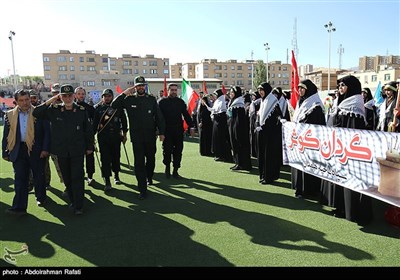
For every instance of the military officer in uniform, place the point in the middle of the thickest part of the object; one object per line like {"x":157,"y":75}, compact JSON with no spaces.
{"x":111,"y":126}
{"x":80,"y":95}
{"x":145,"y":118}
{"x":71,"y":139}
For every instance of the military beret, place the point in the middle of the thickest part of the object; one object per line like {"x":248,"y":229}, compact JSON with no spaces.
{"x":66,"y":89}
{"x":139,"y":80}
{"x":107,"y":91}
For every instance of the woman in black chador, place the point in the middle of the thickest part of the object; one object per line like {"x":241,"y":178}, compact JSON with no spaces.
{"x":220,"y":145}
{"x":253,"y":111}
{"x":205,"y":127}
{"x":348,"y":111}
{"x":269,"y":135}
{"x":309,"y":109}
{"x":370,"y":109}
{"x":238,"y":126}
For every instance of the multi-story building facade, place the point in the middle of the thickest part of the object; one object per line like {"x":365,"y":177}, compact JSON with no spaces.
{"x":372,"y":62}
{"x":98,"y":71}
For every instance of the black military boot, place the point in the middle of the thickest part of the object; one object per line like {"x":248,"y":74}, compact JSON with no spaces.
{"x":117,"y":181}
{"x":176,"y":174}
{"x":167,"y":171}
{"x":108,"y":186}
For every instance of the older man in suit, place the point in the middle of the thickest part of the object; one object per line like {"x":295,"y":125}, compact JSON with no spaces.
{"x":26,"y":142}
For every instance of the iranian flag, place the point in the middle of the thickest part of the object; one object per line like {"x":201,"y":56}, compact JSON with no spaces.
{"x":190,"y":96}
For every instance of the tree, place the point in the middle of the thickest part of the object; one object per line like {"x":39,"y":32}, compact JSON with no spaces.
{"x":260,"y":73}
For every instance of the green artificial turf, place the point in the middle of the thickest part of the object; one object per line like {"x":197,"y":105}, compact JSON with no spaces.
{"x":212,"y":217}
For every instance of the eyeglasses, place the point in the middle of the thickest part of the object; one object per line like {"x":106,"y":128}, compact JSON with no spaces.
{"x":342,"y":85}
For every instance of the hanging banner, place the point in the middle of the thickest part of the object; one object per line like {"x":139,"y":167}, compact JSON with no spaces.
{"x":353,"y":158}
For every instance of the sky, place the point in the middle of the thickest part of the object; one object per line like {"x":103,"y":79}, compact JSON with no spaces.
{"x":189,"y":31}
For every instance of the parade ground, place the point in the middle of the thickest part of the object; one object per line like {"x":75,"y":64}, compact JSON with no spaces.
{"x":213,"y":217}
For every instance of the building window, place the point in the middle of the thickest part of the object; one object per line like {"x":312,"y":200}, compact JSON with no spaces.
{"x":106,"y":83}
{"x":249,"y":67}
{"x":126,"y":71}
{"x":90,"y":59}
{"x":90,"y":83}
{"x":233,"y":75}
{"x":239,"y":67}
{"x":91,"y":68}
{"x":232,"y":67}
{"x":166,"y":71}
{"x":61,"y":59}
{"x":127,"y":63}
{"x":153,"y":71}
{"x":72,"y":68}
{"x":81,"y":59}
{"x":62,"y":77}
{"x":153,"y":63}
{"x":239,"y":82}
{"x":135,"y":63}
{"x":272,"y":68}
{"x":47,"y":68}
{"x":47,"y":77}
{"x":46,"y":59}
{"x":272,"y":75}
{"x":225,"y":75}
{"x":136,"y":71}
{"x":104,"y":59}
{"x":82,"y":68}
{"x":72,"y":77}
{"x":62,"y":68}
{"x":144,"y":71}
{"x":239,"y":75}
{"x":144,"y":63}
{"x":387,"y":77}
{"x":284,"y":68}
{"x":205,"y":66}
{"x":112,"y":62}
{"x":225,"y":67}
{"x":374,"y":78}
{"x":205,"y":75}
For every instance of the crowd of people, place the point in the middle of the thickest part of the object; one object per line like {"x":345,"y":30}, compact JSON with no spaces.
{"x":233,"y":127}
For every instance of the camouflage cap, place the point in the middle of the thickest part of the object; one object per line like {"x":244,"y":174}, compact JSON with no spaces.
{"x":107,"y":91}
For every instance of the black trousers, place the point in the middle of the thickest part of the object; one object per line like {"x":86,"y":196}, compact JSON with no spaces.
{"x":110,"y":153}
{"x":173,"y":147}
{"x":145,"y":162}
{"x":90,"y":165}
{"x":73,"y":176}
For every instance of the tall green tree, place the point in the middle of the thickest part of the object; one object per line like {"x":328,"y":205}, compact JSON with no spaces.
{"x":260,"y":73}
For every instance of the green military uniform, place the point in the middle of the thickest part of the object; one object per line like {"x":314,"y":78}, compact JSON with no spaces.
{"x":145,"y":118}
{"x":71,"y":137}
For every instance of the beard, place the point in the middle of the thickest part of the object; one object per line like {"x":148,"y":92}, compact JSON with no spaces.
{"x":141,"y":91}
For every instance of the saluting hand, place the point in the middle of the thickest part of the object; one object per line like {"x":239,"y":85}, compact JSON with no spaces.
{"x":129,"y":91}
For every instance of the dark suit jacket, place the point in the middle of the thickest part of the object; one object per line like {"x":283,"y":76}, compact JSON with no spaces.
{"x":42,"y":139}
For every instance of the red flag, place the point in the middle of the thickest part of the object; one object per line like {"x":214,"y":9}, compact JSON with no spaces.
{"x":190,"y":96}
{"x":118,"y":89}
{"x":205,"y":87}
{"x":295,"y":83}
{"x":165,"y":94}
{"x":223,"y":89}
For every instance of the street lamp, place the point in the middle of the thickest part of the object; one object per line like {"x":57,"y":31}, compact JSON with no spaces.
{"x":330,"y":28}
{"x":10,"y":35}
{"x":267,"y":49}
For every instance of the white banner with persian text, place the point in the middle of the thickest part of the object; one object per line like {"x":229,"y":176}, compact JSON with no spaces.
{"x":347,"y":157}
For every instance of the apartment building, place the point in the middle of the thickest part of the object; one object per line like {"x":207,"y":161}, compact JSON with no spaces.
{"x":232,"y":72}
{"x":372,"y":62}
{"x":100,"y":71}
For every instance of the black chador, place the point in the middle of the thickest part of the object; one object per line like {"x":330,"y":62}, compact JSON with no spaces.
{"x":205,"y":128}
